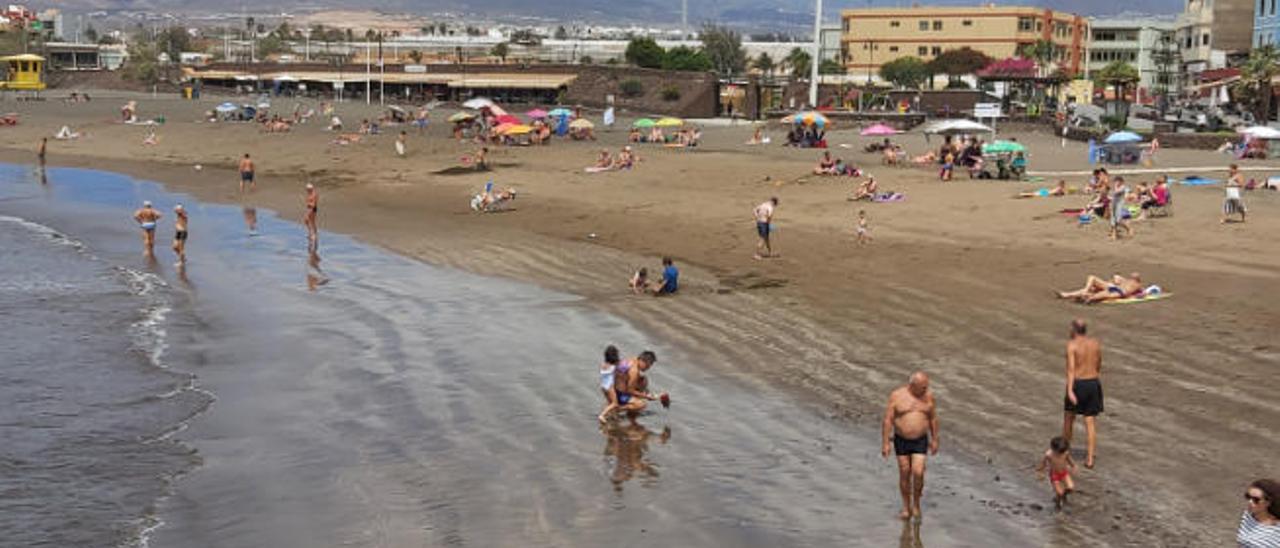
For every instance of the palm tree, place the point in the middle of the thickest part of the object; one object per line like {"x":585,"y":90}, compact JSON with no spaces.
{"x":800,"y":62}
{"x":1041,"y":51}
{"x":764,"y":64}
{"x":1255,"y":79}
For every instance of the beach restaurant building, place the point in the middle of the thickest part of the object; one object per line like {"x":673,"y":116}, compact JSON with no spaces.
{"x":349,"y":81}
{"x":872,"y":37}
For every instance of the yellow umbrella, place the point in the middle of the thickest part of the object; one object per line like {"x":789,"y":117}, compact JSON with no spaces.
{"x":517,"y":129}
{"x":669,"y":122}
{"x":581,"y":123}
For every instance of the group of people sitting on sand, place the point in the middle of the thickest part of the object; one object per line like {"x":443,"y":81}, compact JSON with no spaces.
{"x":668,"y":284}
{"x":1119,"y":287}
{"x":835,"y":166}
{"x":276,"y":124}
{"x":1114,"y":199}
{"x":626,"y":159}
{"x":685,"y":137}
{"x":492,"y":199}
{"x":806,"y":137}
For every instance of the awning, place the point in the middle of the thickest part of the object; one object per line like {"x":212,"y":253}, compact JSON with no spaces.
{"x":512,"y":81}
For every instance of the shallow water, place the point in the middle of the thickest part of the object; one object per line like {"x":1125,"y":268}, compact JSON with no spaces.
{"x":366,"y":399}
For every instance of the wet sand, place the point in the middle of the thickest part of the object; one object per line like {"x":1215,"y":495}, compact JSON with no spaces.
{"x":957,"y":283}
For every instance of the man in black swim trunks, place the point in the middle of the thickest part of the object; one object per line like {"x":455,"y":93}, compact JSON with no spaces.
{"x":911,"y":431}
{"x":180,"y":234}
{"x":1084,"y":389}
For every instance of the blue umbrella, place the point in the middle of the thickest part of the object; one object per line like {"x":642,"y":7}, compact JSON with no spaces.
{"x":1123,"y":137}
{"x":560,"y":113}
{"x":227,"y":107}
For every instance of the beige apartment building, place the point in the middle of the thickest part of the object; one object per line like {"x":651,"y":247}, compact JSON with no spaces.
{"x":874,"y":36}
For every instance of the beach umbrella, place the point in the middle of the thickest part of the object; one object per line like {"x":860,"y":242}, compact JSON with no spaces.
{"x":1122,"y":137}
{"x":1002,"y":147}
{"x":478,"y":103}
{"x":956,"y":126}
{"x":643,"y":122}
{"x":515,"y":129}
{"x":226,"y":107}
{"x":1261,"y":132}
{"x":807,"y":118}
{"x":581,"y":123}
{"x":461,"y":117}
{"x":507,"y":119}
{"x":669,"y":122}
{"x":495,"y":110}
{"x":502,"y":128}
{"x":879,"y":130}
{"x":536,"y":114}
{"x":559,"y":112}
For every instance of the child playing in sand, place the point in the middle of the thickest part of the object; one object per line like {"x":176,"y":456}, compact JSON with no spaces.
{"x":948,"y":165}
{"x":864,"y":236}
{"x":1058,"y":460}
{"x":640,"y":281}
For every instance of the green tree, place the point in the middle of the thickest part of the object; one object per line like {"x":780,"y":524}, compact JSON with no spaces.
{"x":644,"y":52}
{"x":686,"y":58}
{"x":830,"y":66}
{"x":585,"y":60}
{"x":500,"y":50}
{"x":764,"y":64}
{"x":800,"y":62}
{"x":905,"y":72}
{"x":1119,"y":75}
{"x":958,"y":62}
{"x":272,"y":44}
{"x":1042,"y":51}
{"x":1254,"y":86}
{"x":723,"y":47}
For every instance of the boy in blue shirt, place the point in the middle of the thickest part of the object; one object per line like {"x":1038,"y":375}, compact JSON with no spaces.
{"x":670,"y":278}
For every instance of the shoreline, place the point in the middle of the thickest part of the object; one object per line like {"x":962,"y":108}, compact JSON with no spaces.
{"x":962,"y":296}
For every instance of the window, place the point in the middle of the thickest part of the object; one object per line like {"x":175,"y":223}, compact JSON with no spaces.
{"x":1025,"y":24}
{"x":937,"y":25}
{"x":893,"y":48}
{"x":922,"y":51}
{"x":924,"y":25}
{"x":967,"y":23}
{"x":895,"y":24}
{"x":937,"y":50}
{"x":1204,"y":39}
{"x":1039,"y":26}
{"x":1273,"y":7}
{"x":846,"y":26}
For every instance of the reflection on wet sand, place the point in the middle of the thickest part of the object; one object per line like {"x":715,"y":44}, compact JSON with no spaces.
{"x":911,"y":534}
{"x":627,"y":445}
{"x":315,"y":276}
{"x":250,"y":218}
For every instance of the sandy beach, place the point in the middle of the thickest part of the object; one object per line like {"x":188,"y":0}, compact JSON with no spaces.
{"x":957,"y":282}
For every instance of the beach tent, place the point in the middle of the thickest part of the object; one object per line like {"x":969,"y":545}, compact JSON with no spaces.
{"x":536,"y":114}
{"x":1261,"y":132}
{"x":479,"y":103}
{"x":669,"y":122}
{"x":950,"y":127}
{"x":643,"y":122}
{"x":1003,"y":147}
{"x":461,"y":117}
{"x":878,"y":130}
{"x":581,"y":123}
{"x":1122,"y":137}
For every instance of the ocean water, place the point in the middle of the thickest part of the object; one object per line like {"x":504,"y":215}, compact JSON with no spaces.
{"x":269,"y":395}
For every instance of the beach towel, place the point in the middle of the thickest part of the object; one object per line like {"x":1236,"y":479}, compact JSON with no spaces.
{"x":1198,"y":181}
{"x":1140,"y":299}
{"x":596,"y":169}
{"x":888,"y":197}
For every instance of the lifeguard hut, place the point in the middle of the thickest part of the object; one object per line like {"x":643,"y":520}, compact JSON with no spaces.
{"x":26,"y":72}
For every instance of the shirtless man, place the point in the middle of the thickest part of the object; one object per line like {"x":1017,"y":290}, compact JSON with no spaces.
{"x":246,"y":173}
{"x":632,"y":385}
{"x":40,"y":150}
{"x":309,"y":218}
{"x":1096,"y":289}
{"x":1084,"y":391}
{"x":910,"y":429}
{"x":180,"y":234}
{"x":764,"y":226}
{"x":146,"y":218}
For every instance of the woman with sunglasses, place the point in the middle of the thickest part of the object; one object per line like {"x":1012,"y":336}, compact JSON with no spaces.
{"x":1260,"y":524}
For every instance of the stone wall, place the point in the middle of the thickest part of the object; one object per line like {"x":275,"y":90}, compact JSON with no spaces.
{"x":1194,"y":141}
{"x":699,"y":91}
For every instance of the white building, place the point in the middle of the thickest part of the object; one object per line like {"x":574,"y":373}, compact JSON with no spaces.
{"x":1142,"y":43}
{"x":1211,"y":30}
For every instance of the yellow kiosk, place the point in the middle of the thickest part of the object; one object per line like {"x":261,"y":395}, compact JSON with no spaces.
{"x":26,"y":72}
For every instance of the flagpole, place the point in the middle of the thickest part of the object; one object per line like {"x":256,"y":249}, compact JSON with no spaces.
{"x":817,"y":54}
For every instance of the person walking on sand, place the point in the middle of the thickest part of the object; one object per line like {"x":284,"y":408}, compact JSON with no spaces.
{"x":1119,"y":211}
{"x":764,"y":225}
{"x":146,"y":217}
{"x":180,"y":234}
{"x":246,"y":173}
{"x":910,"y":430}
{"x":1057,"y":459}
{"x":1084,"y":387}
{"x":1260,"y":523}
{"x":1234,"y":202}
{"x":313,"y":208}
{"x":42,"y":148}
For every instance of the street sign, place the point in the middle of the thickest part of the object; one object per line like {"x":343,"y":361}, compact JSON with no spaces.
{"x":986,"y":110}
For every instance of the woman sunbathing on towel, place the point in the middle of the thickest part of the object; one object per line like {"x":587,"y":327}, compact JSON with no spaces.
{"x":926,"y":159}
{"x":606,"y":159}
{"x":1097,"y":290}
{"x":826,"y":166}
{"x":1059,"y":190}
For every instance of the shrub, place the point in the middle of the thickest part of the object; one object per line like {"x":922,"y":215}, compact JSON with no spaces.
{"x":671,"y":93}
{"x":631,"y":88}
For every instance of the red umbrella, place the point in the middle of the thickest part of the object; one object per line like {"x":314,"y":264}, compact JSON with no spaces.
{"x":508,"y":119}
